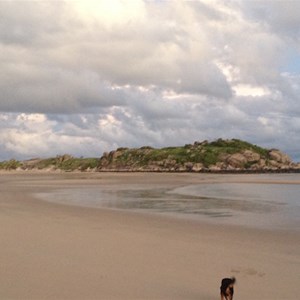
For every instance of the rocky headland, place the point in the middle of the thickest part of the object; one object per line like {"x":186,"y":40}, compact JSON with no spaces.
{"x":217,"y":156}
{"x":227,"y":156}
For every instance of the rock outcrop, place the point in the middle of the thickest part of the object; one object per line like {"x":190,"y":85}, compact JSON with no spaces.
{"x":218,"y":156}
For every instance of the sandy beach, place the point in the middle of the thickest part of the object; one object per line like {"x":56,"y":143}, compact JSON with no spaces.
{"x":55,"y":251}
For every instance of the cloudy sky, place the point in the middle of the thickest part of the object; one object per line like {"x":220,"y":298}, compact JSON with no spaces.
{"x":84,"y":77}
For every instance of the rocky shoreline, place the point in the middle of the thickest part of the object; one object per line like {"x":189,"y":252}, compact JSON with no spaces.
{"x":209,"y":171}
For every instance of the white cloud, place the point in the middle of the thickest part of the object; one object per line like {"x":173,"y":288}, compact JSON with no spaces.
{"x":248,"y":90}
{"x":110,"y":12}
{"x":31,"y":118}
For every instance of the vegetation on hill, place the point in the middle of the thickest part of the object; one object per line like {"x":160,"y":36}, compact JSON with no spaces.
{"x":219,"y":155}
{"x":64,"y":162}
{"x":11,"y":164}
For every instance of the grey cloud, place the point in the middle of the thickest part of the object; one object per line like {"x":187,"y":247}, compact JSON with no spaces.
{"x":282,"y":16}
{"x":290,"y":94}
{"x":255,"y":51}
{"x":52,"y":90}
{"x":206,"y":11}
{"x":152,"y":107}
{"x":203,"y":78}
{"x":25,"y":23}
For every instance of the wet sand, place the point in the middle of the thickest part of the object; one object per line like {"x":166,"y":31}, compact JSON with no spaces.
{"x":54,"y":251}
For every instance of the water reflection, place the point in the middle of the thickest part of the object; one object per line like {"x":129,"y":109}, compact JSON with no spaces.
{"x":243,"y":203}
{"x":168,"y":201}
{"x":159,"y":200}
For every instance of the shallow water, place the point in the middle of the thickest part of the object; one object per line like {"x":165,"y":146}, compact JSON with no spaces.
{"x":263,"y":205}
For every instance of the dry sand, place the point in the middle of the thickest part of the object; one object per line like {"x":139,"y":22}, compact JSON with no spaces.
{"x":52,"y":251}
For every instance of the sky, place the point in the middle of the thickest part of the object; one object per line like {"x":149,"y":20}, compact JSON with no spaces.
{"x":86,"y":77}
